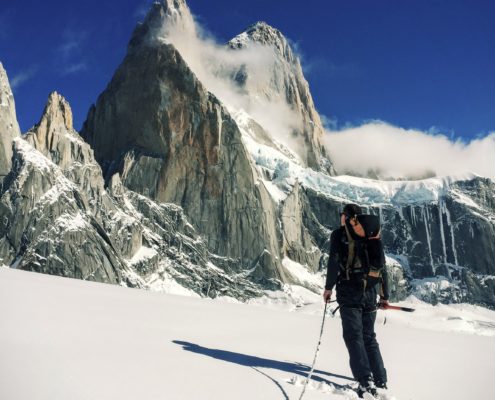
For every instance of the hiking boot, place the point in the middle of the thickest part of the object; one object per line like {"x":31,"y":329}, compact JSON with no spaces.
{"x":381,"y":385}
{"x":367,"y":387}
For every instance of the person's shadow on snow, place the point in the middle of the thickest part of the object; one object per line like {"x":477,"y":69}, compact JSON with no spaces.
{"x":258,"y":362}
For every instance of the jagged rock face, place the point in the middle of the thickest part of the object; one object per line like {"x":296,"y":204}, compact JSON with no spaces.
{"x":284,"y":82}
{"x":45,"y":225}
{"x":55,"y":137}
{"x":173,"y":141}
{"x":170,"y":250}
{"x":9,"y":128}
{"x":57,"y":218}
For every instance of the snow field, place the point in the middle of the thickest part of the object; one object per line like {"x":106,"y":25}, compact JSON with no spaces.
{"x":62,"y":338}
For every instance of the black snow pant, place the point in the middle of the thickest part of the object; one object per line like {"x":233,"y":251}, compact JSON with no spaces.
{"x":358,"y":314}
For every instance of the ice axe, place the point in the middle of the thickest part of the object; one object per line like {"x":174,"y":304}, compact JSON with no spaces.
{"x":391,"y":307}
{"x":398,"y":308}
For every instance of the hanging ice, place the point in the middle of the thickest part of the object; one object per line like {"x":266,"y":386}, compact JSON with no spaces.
{"x":426,"y":218}
{"x":442,"y":235}
{"x":449,"y":222}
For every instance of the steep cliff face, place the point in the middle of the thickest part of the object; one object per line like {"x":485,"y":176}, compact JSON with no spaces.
{"x":9,"y":128}
{"x":283,"y":82}
{"x":173,"y":141}
{"x":58,"y":218}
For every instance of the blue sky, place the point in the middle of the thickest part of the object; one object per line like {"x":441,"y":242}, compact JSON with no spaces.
{"x":415,"y":64}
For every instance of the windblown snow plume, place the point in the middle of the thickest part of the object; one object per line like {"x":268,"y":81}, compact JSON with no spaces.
{"x":389,"y":152}
{"x":218,"y":67}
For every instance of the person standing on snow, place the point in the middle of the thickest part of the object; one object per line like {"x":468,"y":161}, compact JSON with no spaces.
{"x":357,"y":298}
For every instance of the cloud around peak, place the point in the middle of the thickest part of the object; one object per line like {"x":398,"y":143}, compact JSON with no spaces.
{"x":391,"y":152}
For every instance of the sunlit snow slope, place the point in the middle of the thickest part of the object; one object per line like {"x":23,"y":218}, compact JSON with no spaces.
{"x":69,"y":339}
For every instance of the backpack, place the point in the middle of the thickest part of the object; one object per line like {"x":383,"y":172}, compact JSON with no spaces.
{"x":364,"y":259}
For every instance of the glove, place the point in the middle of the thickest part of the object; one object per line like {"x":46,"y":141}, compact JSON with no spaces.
{"x":326,"y":295}
{"x":383,"y":303}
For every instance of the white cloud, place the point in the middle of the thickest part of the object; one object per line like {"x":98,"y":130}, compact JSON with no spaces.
{"x":22,"y":77}
{"x":216,"y":65}
{"x":74,"y":68}
{"x":395,"y":152}
{"x":328,"y":123}
{"x":72,"y":42}
{"x":69,"y":52}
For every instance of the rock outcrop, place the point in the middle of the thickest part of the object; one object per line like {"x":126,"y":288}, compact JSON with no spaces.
{"x":50,"y":205}
{"x":9,"y":128}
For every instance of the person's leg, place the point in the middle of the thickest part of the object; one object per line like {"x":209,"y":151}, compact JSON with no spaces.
{"x":352,"y":327}
{"x":372,"y":347}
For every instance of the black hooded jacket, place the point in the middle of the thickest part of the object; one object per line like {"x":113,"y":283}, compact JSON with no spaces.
{"x":338,"y":246}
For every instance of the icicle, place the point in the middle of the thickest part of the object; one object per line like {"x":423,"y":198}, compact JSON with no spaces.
{"x":442,"y":235}
{"x":413,"y":216}
{"x":449,"y":222}
{"x":426,"y":217}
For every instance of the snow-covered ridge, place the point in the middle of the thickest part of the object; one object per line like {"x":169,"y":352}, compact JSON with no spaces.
{"x":33,"y":157}
{"x":397,"y":192}
{"x":344,"y":188}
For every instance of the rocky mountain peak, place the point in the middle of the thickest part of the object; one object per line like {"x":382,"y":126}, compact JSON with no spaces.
{"x":284,"y":82}
{"x":9,"y":128}
{"x":57,"y":114}
{"x":3,"y":77}
{"x":264,"y":34}
{"x":55,"y":137}
{"x":163,"y":17}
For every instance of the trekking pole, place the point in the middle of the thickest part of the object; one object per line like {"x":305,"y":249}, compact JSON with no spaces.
{"x":316,"y":353}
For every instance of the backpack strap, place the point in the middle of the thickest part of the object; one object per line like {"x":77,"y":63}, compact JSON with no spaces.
{"x":351,"y":253}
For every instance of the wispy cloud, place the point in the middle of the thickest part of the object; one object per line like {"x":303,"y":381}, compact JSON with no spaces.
{"x":216,"y":66}
{"x":394,"y":152}
{"x":22,"y":77}
{"x":321,"y":66}
{"x":70,"y":52}
{"x":72,"y":42}
{"x":74,"y":68}
{"x":329,"y":123}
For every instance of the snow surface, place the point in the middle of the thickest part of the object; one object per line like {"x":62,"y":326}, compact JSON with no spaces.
{"x":71,"y":223}
{"x":143,"y":254}
{"x":33,"y":156}
{"x":69,"y":339}
{"x":301,"y":273}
